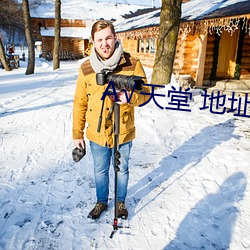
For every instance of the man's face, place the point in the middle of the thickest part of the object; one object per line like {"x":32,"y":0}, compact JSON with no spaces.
{"x":104,"y":42}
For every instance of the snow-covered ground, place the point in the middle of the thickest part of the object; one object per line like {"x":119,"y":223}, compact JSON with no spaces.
{"x":189,"y":173}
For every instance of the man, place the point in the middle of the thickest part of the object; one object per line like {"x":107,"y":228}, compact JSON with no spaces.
{"x":107,"y":54}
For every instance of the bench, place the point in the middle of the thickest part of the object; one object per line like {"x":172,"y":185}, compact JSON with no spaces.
{"x":63,"y":55}
{"x":13,"y":61}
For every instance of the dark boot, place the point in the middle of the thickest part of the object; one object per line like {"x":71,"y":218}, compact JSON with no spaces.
{"x":97,"y":210}
{"x":122,"y":211}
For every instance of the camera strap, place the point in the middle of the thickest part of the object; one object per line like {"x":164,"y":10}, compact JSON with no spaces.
{"x":109,"y":117}
{"x":110,"y":112}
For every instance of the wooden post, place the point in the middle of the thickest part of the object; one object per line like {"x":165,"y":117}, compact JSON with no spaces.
{"x":201,"y":60}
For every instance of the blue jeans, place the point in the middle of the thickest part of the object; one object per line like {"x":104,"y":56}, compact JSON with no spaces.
{"x":102,"y":157}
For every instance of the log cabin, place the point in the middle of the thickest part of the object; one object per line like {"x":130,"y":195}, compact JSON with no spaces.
{"x":77,"y":19}
{"x":213,"y":41}
{"x":74,"y":37}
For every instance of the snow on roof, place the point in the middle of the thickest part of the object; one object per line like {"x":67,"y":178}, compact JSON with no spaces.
{"x":145,"y":20}
{"x":85,"y":10}
{"x":192,"y":10}
{"x":197,"y":9}
{"x":80,"y":32}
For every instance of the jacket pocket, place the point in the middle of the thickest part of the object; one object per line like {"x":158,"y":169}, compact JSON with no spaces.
{"x":127,"y":120}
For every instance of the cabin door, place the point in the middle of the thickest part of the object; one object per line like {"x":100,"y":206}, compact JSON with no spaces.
{"x":227,"y":55}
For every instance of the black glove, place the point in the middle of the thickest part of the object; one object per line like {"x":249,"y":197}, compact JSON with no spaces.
{"x":78,"y":153}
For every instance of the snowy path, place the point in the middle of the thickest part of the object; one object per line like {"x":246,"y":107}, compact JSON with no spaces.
{"x":188,"y":184}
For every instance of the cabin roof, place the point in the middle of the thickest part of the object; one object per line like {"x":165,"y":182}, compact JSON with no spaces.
{"x":208,"y":9}
{"x":140,"y":21}
{"x":193,"y":10}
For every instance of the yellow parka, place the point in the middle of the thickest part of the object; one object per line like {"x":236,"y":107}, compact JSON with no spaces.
{"x":87,"y":104}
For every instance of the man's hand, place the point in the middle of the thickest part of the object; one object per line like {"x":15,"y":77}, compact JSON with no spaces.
{"x":78,"y":152}
{"x":79,"y":143}
{"x":123,"y":99}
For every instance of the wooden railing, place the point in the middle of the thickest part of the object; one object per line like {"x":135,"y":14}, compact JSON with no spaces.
{"x":63,"y":55}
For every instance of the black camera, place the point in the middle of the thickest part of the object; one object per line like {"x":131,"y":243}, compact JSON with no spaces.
{"x":78,"y":153}
{"x":120,"y":81}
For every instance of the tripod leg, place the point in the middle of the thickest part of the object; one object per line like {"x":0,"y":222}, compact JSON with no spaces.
{"x":116,"y":161}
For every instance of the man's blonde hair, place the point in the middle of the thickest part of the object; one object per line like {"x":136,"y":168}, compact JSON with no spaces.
{"x":102,"y":24}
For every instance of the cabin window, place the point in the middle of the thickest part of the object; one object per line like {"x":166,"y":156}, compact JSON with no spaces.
{"x":146,"y":45}
{"x":152,"y":45}
{"x":138,"y":45}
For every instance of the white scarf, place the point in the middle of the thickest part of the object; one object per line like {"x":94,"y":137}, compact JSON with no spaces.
{"x":98,"y":64}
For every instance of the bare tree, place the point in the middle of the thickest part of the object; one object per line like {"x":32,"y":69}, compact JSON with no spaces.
{"x":56,"y":59}
{"x":28,"y":33}
{"x":11,"y":16}
{"x":3,"y":57}
{"x":11,"y":24}
{"x":36,"y":3}
{"x":168,"y":34}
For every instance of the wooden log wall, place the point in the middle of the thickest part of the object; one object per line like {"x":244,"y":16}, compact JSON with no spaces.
{"x":47,"y":45}
{"x":50,"y":22}
{"x":66,"y":44}
{"x":190,"y":56}
{"x":210,"y":64}
{"x":209,"y":57}
{"x":185,"y":62}
{"x":186,"y":56}
{"x":79,"y":46}
{"x":146,"y":59}
{"x":131,"y":46}
{"x":245,"y":60}
{"x":73,"y":45}
{"x":178,"y":61}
